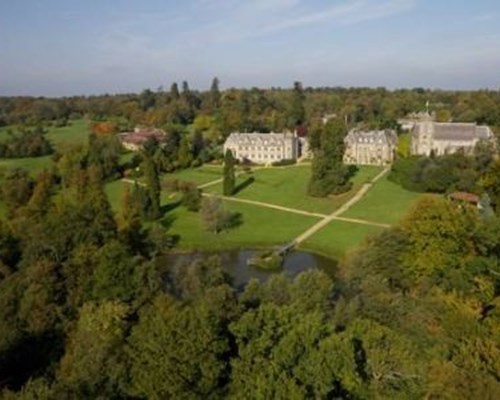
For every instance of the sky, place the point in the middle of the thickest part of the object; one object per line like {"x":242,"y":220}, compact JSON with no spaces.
{"x":74,"y":47}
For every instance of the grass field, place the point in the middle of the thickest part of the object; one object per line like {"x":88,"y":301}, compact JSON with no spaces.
{"x":75,"y":133}
{"x":260,"y":227}
{"x":338,"y":238}
{"x":287,"y":187}
{"x":386,"y":203}
{"x":199,"y":175}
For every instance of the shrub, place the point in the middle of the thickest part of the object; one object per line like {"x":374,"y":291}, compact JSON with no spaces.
{"x":283,"y":163}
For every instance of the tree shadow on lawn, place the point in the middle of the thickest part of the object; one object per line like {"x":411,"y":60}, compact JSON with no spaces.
{"x":170,"y":206}
{"x":243,"y":185}
{"x":167,"y":221}
{"x":233,"y":220}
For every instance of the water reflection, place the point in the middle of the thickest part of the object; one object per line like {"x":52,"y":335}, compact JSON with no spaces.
{"x":235,"y":264}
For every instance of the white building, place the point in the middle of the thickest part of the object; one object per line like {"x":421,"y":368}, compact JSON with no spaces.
{"x":263,"y":148}
{"x":447,"y":138}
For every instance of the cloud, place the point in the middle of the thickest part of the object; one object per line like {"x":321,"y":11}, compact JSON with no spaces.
{"x":348,"y":12}
{"x":258,"y":18}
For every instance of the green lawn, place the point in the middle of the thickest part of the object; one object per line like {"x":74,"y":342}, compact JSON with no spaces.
{"x":114,"y":192}
{"x":287,"y":187}
{"x":338,"y":238}
{"x":77,"y":132}
{"x":260,"y":227}
{"x":386,"y":202}
{"x":201,"y":175}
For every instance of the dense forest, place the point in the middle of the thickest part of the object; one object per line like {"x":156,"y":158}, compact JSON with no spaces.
{"x":216,"y":113}
{"x":92,"y":307}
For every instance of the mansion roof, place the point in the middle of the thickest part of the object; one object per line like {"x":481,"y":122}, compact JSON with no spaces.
{"x":386,"y":137}
{"x":464,"y":132}
{"x":259,"y":139}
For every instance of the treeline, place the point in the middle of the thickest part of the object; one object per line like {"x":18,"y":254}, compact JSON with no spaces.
{"x":92,"y":306}
{"x":477,"y":173}
{"x":218,"y":112}
{"x":25,"y":143}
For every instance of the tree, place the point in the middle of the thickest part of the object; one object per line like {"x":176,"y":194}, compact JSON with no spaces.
{"x":147,"y":99}
{"x":10,"y":252}
{"x":115,"y":275}
{"x":28,"y":143}
{"x":130,"y":230}
{"x":174,"y":91}
{"x":40,"y":201}
{"x":229,"y":179}
{"x":213,"y":99}
{"x":213,"y":215}
{"x":178,"y":351}
{"x":152,"y":208}
{"x":440,"y":234}
{"x":329,"y":174}
{"x":104,"y":154}
{"x":491,"y":183}
{"x":185,"y":155}
{"x":191,"y":198}
{"x":96,"y":204}
{"x":16,"y":189}
{"x":198,"y":144}
{"x":93,"y":364}
{"x":297,"y":113}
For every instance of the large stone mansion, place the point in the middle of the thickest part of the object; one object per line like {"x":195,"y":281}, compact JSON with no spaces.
{"x":447,"y":137}
{"x":427,"y":136}
{"x":370,"y":147}
{"x":266,"y":148}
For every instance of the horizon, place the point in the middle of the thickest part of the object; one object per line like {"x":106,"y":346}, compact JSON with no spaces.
{"x":90,"y":48}
{"x":166,"y":89}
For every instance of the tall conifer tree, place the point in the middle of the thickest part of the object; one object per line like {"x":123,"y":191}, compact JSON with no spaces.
{"x":229,"y":176}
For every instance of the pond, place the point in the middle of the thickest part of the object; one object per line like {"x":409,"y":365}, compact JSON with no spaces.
{"x":234,"y":262}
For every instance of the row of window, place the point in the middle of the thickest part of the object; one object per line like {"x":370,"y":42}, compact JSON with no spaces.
{"x":369,"y":140}
{"x":258,"y":148}
{"x":260,"y":156}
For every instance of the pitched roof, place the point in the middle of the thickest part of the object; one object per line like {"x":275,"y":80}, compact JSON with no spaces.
{"x":455,"y":131}
{"x":141,"y":135}
{"x":387,"y":136}
{"x":259,"y":139}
